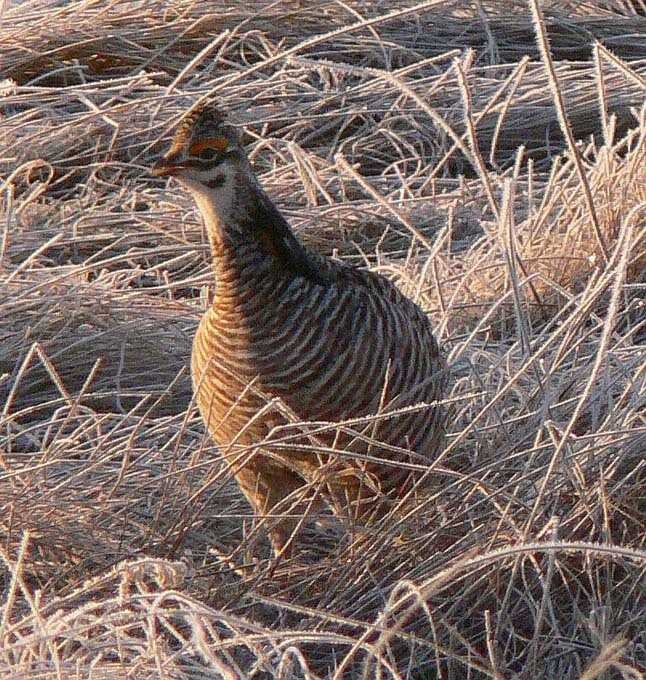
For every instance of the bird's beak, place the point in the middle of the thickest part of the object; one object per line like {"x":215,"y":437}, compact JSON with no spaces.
{"x":167,"y":167}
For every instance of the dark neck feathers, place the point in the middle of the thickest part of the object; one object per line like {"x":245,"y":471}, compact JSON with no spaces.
{"x":265,"y":224}
{"x":252,"y":219}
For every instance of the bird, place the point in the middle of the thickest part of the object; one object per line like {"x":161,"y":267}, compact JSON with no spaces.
{"x":293,"y":334}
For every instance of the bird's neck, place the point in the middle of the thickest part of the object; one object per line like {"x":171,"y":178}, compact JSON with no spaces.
{"x":249,"y":237}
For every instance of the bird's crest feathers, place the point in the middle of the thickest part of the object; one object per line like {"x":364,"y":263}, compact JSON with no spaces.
{"x":205,"y":126}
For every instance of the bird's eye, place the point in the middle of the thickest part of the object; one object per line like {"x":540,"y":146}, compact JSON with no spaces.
{"x":209,"y":149}
{"x":207,"y":154}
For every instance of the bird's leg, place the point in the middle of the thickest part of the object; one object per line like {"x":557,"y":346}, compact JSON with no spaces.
{"x":354,"y":495}
{"x":265,"y":484}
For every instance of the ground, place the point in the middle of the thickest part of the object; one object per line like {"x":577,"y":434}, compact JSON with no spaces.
{"x":504,"y":193}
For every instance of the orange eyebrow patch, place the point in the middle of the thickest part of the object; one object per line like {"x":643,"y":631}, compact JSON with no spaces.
{"x":217,"y":143}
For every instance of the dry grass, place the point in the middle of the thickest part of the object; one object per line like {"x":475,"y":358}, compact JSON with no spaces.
{"x":519,"y":225}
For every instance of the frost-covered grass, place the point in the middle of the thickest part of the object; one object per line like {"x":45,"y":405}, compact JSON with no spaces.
{"x":506,"y":194}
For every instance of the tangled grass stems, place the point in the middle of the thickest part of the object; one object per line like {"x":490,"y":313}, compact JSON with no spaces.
{"x":424,"y":145}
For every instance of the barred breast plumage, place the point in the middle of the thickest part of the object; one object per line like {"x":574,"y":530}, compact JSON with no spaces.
{"x":329,"y":341}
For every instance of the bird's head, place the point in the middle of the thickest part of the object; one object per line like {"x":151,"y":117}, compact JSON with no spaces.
{"x":207,"y":157}
{"x":206,"y":154}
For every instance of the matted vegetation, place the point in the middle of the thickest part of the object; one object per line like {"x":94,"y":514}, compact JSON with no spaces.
{"x":505,"y":193}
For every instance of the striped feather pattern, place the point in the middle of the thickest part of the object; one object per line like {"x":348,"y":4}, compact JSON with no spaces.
{"x":330,"y":352}
{"x":291,"y":334}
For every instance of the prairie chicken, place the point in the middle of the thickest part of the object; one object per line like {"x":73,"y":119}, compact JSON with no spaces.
{"x":293,"y":331}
